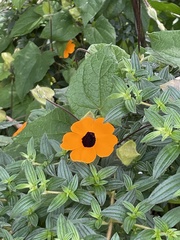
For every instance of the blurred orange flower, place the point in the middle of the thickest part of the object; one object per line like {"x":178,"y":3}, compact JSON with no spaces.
{"x":89,"y":137}
{"x":70,"y":47}
{"x":20,"y":129}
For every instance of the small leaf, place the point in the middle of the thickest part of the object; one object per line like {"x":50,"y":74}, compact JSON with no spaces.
{"x":127,"y":152}
{"x":88,"y":9}
{"x":100,"y":193}
{"x":107,"y":172}
{"x":63,"y":27}
{"x":128,"y":224}
{"x":30,"y":173}
{"x":154,"y":118}
{"x":100,"y":31}
{"x":27,"y":72}
{"x":131,"y":105}
{"x":45,"y":147}
{"x":57,"y":202}
{"x":64,"y":171}
{"x":165,"y":190}
{"x":172,"y":217}
{"x":165,"y":158}
{"x":26,"y":23}
{"x":115,"y":212}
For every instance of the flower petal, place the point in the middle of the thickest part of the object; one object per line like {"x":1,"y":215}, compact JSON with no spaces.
{"x":83,"y":154}
{"x":71,"y":141}
{"x":105,"y":145}
{"x":101,"y":128}
{"x":83,"y":126}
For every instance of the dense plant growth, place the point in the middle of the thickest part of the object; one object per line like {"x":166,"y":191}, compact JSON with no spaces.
{"x":89,"y":120}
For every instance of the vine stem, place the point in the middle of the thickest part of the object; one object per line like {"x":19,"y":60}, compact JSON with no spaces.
{"x":109,"y":232}
{"x":128,"y":136}
{"x":64,"y":109}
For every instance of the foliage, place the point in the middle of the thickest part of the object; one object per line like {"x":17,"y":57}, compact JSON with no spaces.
{"x":131,"y":194}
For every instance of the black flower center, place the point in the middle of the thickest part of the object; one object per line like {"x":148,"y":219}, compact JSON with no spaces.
{"x":89,"y":139}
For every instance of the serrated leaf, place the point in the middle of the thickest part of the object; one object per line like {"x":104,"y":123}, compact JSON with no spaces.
{"x":165,"y":190}
{"x":30,"y":66}
{"x":165,"y":158}
{"x":162,"y":50}
{"x":55,"y":124}
{"x":100,"y":31}
{"x":64,"y":27}
{"x":93,"y":81}
{"x":88,"y":9}
{"x":26,"y":23}
{"x":57,"y":202}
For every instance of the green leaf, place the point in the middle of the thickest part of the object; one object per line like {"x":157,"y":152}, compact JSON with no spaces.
{"x":96,"y":207}
{"x":150,"y":136}
{"x":64,"y":171}
{"x":61,"y":227}
{"x":116,"y":112}
{"x":64,"y":27}
{"x":18,"y":3}
{"x":100,"y":31}
{"x":45,"y":147}
{"x":30,"y":66}
{"x":115,"y":212}
{"x":4,"y":141}
{"x":23,"y":205}
{"x":115,"y":237}
{"x":55,"y":124}
{"x":5,"y":41}
{"x":73,"y":184}
{"x":84,"y":196}
{"x":88,"y":9}
{"x":166,"y":46}
{"x":165,"y":158}
{"x":93,"y":81}
{"x":30,"y":172}
{"x":154,"y":118}
{"x":172,"y":217}
{"x":145,"y":234}
{"x":131,"y":105}
{"x":128,"y":224}
{"x":160,"y":224}
{"x":4,"y":175}
{"x":57,"y":202}
{"x":100,"y":193}
{"x":127,"y":152}
{"x":165,"y":190}
{"x":107,"y":172}
{"x":26,"y":23}
{"x":6,"y":235}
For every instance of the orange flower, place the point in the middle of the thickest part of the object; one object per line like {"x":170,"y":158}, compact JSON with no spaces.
{"x":70,"y":47}
{"x":20,"y":129}
{"x":89,"y":137}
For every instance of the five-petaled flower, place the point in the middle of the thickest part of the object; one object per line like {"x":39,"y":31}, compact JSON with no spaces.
{"x":70,"y":47}
{"x":89,"y":137}
{"x":20,"y":129}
